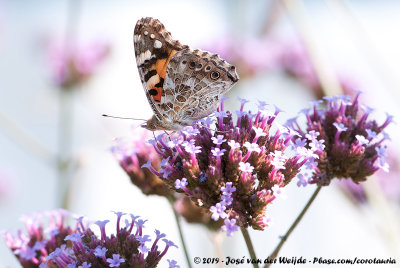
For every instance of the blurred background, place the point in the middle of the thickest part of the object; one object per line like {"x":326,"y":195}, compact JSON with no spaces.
{"x":64,"y":63}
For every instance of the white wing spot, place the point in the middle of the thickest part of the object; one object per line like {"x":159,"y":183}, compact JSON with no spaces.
{"x":140,"y":61}
{"x":146,"y":33}
{"x":152,"y":36}
{"x":147,"y":55}
{"x":157,"y":44}
{"x":144,"y":56}
{"x":153,"y":80}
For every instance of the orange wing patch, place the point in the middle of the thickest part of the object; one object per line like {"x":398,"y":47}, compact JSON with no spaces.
{"x":156,"y":82}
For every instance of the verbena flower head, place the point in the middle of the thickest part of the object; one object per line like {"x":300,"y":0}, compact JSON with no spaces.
{"x":388,"y":182}
{"x":64,"y":247}
{"x":74,"y":65}
{"x":45,"y":232}
{"x":233,"y":170}
{"x":345,"y":143}
{"x":132,"y":154}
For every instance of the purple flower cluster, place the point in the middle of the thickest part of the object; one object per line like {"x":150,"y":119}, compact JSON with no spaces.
{"x":343,"y":141}
{"x":32,"y":248}
{"x":132,"y":154}
{"x":234,"y":171}
{"x":388,"y":182}
{"x":61,"y":246}
{"x":74,"y":65}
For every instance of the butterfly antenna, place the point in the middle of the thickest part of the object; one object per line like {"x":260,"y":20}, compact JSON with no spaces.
{"x":136,"y":127}
{"x":118,"y":117}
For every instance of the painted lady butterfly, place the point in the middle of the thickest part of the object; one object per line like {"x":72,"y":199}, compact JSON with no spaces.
{"x":181,"y":85}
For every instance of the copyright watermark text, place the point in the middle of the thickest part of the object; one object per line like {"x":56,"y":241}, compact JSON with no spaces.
{"x":293,"y":260}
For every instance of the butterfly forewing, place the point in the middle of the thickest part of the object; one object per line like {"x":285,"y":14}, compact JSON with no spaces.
{"x":154,"y":48}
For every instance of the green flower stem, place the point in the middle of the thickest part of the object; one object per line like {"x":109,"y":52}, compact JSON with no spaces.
{"x":294,"y":224}
{"x":249,"y":244}
{"x":65,"y":120}
{"x":217,"y":237}
{"x":64,"y":147}
{"x":178,"y":224}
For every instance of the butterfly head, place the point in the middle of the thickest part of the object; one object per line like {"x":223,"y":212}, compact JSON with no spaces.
{"x":154,"y":124}
{"x":151,"y":124}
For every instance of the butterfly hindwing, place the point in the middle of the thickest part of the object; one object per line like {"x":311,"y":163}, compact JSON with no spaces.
{"x":194,"y":84}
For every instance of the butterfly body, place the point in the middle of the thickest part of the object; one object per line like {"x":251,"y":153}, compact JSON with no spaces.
{"x":182,"y":85}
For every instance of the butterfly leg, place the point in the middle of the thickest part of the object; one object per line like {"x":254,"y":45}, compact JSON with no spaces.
{"x":215,"y":130}
{"x":222,"y":131}
{"x":169,"y":134}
